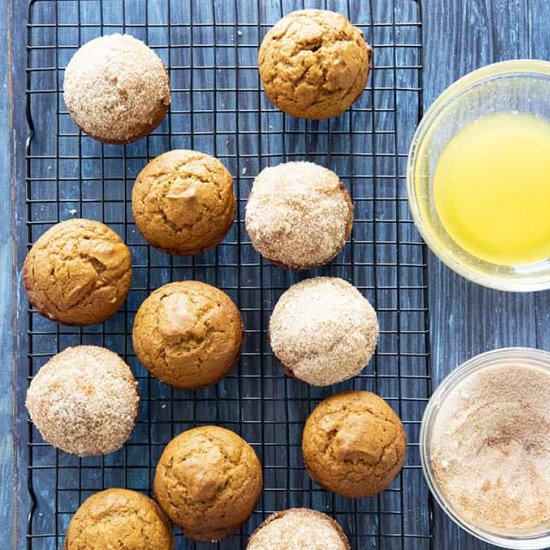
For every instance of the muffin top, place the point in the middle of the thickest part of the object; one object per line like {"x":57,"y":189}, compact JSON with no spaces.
{"x":314,"y":64}
{"x":298,"y":529}
{"x":354,"y":444}
{"x":188,"y":334}
{"x":298,"y":215}
{"x":84,"y":401}
{"x":183,"y":202}
{"x":78,"y":272}
{"x":119,"y":518}
{"x":116,"y":88}
{"x":208,"y":481}
{"x":323,"y":330}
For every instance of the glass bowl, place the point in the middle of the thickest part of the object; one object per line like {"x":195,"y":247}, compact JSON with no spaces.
{"x":504,"y":356}
{"x":522,"y":86}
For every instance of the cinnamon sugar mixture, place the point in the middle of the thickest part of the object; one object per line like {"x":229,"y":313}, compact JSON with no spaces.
{"x":490,"y":449}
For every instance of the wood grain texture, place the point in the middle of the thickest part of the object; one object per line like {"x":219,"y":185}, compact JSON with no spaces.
{"x":7,"y":451}
{"x":467,"y":319}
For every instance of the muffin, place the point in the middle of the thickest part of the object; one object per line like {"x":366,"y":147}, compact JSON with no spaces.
{"x":78,"y":273}
{"x":121,"y":519}
{"x":299,"y":215}
{"x":208,"y":481}
{"x":84,"y":401}
{"x":116,"y":89}
{"x":188,"y":334}
{"x":323,"y":331}
{"x":314,"y":64}
{"x":183,"y":202}
{"x":354,"y":444}
{"x":298,"y":529}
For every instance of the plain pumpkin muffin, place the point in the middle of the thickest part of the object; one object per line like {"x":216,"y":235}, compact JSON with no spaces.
{"x":183,"y":202}
{"x":323,"y":331}
{"x":354,"y":444}
{"x":116,"y":89}
{"x":299,"y":215}
{"x":208,"y":481}
{"x":298,"y":529}
{"x":188,"y":334}
{"x":78,"y":272}
{"x":314,"y":64}
{"x":119,"y":519}
{"x":84,"y":401}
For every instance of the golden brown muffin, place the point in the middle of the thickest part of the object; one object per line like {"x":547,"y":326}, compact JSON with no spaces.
{"x":188,"y":334}
{"x":354,"y":444}
{"x":208,"y":481}
{"x":84,"y":401}
{"x":314,"y":64}
{"x":119,"y":519}
{"x":299,"y":215}
{"x":116,"y":89}
{"x":298,"y":529}
{"x":183,"y":202}
{"x":323,"y":330}
{"x":78,"y":272}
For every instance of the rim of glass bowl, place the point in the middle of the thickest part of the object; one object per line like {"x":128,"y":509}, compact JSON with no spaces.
{"x":517,"y":67}
{"x":527,"y":356}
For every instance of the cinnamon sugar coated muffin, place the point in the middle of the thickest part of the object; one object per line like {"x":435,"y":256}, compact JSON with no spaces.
{"x":84,"y":401}
{"x":188,"y":334}
{"x":298,"y":529}
{"x":78,"y":272}
{"x":121,"y":519}
{"x":299,"y":215}
{"x":314,"y":64}
{"x":116,"y":89}
{"x":208,"y":481}
{"x":323,"y":331}
{"x":354,"y":444}
{"x":183,"y":202}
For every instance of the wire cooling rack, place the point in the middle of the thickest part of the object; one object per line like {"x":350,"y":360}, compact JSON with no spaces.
{"x":210,"y":48}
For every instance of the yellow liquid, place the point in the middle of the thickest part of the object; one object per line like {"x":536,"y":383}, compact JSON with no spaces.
{"x":492,"y":188}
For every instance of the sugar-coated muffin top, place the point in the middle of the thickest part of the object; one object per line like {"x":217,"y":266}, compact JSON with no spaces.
{"x":354,"y":444}
{"x":183,"y":202}
{"x":208,"y":481}
{"x":323,"y":330}
{"x":84,"y":401}
{"x":298,"y":214}
{"x":116,"y":88}
{"x":314,"y":64}
{"x":188,"y":334}
{"x":78,"y":272}
{"x":121,"y":519}
{"x":298,"y":529}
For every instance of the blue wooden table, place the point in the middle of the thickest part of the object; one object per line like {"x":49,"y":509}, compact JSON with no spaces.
{"x":465,"y":319}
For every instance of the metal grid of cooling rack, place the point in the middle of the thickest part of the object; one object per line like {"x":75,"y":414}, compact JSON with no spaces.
{"x":210,"y":48}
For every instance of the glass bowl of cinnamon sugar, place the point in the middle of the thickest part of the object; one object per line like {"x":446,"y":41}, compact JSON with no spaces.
{"x":485,"y":447}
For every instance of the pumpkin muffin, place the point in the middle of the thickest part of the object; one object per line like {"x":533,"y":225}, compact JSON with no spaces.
{"x":84,"y":401}
{"x":299,"y":215}
{"x":116,"y":89}
{"x":208,"y":481}
{"x":314,"y":64}
{"x":323,"y":331}
{"x":298,"y":529}
{"x":121,"y":519}
{"x":188,"y":334}
{"x":78,"y":272}
{"x":354,"y":444}
{"x":183,"y":202}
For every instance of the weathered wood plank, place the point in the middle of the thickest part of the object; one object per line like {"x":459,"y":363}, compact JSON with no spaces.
{"x":467,"y":319}
{"x":7,"y":450}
